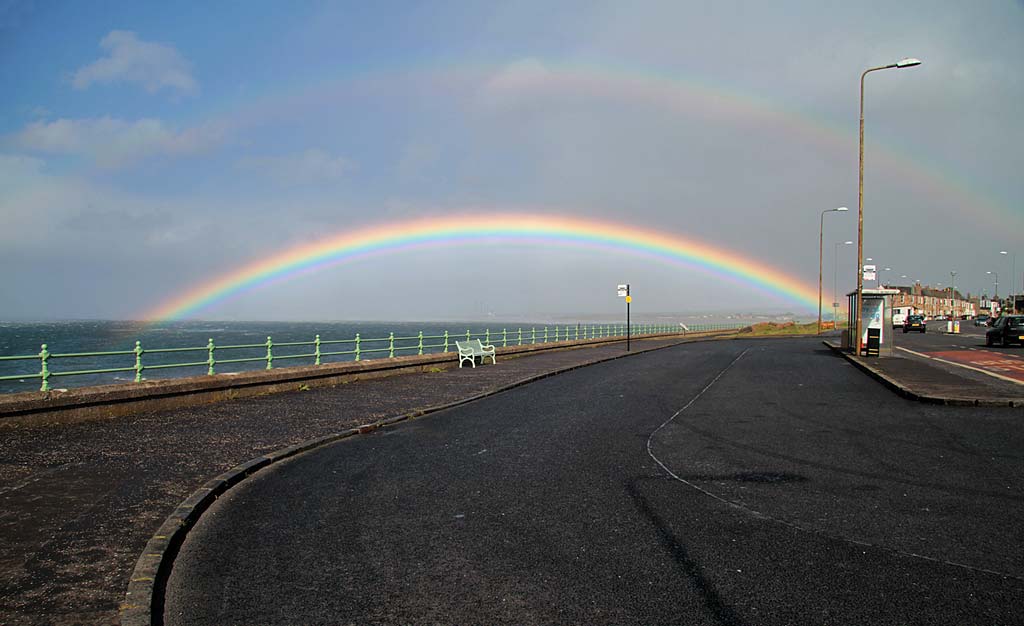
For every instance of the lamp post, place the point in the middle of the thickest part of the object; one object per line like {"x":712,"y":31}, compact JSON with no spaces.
{"x":1013,"y":280}
{"x":835,"y":264}
{"x":821,"y":235}
{"x":884,"y":269}
{"x":952,"y":295}
{"x":860,"y":195}
{"x":997,"y":284}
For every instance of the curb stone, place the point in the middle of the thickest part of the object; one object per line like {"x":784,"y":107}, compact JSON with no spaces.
{"x":907,"y":392}
{"x":144,"y":599}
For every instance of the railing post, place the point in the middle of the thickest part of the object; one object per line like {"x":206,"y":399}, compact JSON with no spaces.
{"x":556,"y":333}
{"x":545,"y":334}
{"x":357,"y":346}
{"x":446,"y":341}
{"x":391,"y":345}
{"x":468,"y":336}
{"x":487,"y":337}
{"x":421,"y":344}
{"x":520,"y":335}
{"x":270,"y":353}
{"x":44,"y":373}
{"x":316,"y":342}
{"x":210,"y":361}
{"x":533,"y":335}
{"x":504,"y":337}
{"x":138,"y":361}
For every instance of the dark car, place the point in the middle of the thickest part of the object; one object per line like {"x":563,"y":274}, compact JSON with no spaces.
{"x":981,"y":320}
{"x":914,"y":322}
{"x":1006,"y":330}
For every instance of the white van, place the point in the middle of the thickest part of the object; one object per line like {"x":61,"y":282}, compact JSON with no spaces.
{"x":899,"y":315}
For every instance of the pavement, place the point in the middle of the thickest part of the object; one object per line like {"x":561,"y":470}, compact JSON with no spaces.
{"x":711,"y":483}
{"x":79,"y":502}
{"x":927,"y":379}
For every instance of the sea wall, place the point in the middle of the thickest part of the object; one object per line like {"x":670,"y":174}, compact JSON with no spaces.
{"x":108,"y":401}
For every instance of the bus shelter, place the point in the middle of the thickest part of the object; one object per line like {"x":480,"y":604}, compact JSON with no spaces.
{"x":877,"y":335}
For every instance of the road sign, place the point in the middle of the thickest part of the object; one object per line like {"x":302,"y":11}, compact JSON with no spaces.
{"x":623,"y":291}
{"x":869,"y":272}
{"x":629,"y":299}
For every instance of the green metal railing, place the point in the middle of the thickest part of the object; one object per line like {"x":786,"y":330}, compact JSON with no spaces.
{"x":319,"y":350}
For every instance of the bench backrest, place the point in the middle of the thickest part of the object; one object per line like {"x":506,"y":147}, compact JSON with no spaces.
{"x":472,"y":344}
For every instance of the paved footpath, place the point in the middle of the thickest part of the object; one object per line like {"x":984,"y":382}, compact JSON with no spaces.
{"x":78,"y":502}
{"x":739,"y":482}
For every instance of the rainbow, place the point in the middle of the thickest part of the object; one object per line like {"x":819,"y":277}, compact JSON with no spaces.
{"x":501,"y":86}
{"x":455,"y":230}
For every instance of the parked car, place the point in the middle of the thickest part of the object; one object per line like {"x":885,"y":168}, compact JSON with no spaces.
{"x":981,"y":320}
{"x":1006,"y":330}
{"x":914,"y":322}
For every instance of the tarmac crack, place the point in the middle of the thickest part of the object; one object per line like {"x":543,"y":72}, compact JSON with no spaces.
{"x":784,"y":522}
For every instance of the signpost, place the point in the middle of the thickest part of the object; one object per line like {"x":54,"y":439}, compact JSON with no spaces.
{"x":624,"y":293}
{"x":869,"y":272}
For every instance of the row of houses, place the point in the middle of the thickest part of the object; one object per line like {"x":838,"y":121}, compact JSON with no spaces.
{"x":936,"y":302}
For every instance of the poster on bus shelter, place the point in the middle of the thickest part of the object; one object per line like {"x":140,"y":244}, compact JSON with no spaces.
{"x":872,"y":318}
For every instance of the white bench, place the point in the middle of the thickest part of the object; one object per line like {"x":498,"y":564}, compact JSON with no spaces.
{"x":469,"y":350}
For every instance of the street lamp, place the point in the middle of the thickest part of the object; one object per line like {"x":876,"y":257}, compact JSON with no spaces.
{"x":909,"y":62}
{"x":952,"y":295}
{"x":835,"y":264}
{"x":884,"y":269}
{"x":1013,"y":280}
{"x":997,"y":284}
{"x":821,"y":234}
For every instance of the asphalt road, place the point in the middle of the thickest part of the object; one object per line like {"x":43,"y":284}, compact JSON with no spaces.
{"x":953,"y":351}
{"x":739,"y":482}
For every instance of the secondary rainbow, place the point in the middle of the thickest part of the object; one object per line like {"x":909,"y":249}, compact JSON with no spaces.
{"x":690,"y":95}
{"x":456,"y":230}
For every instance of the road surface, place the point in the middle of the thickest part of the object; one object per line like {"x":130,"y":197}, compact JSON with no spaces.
{"x":966,"y":351}
{"x":736,"y":482}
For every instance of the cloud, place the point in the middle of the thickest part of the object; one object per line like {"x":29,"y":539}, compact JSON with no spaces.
{"x":153,"y":65}
{"x":111,"y":142}
{"x":311,"y":166}
{"x":514,"y":80}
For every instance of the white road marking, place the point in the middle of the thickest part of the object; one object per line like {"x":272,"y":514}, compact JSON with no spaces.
{"x":966,"y":367}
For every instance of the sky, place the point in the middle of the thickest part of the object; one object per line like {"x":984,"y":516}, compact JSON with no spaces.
{"x":147,"y":149}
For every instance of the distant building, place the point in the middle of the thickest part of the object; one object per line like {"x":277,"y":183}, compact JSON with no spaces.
{"x":934,"y":302}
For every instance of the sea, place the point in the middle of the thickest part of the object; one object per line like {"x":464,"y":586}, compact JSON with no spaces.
{"x":161,"y":341}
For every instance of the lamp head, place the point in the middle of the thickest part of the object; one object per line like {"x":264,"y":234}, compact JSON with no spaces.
{"x":842,"y":208}
{"x":908,"y":62}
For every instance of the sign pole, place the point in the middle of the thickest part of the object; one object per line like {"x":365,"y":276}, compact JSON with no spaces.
{"x":623,"y":292}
